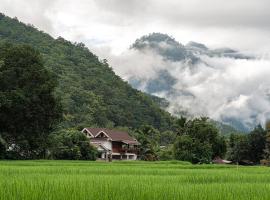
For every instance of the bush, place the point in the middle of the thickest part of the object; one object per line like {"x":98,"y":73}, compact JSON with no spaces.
{"x":71,"y":144}
{"x":188,"y":149}
{"x":166,"y":153}
{"x":265,"y":162}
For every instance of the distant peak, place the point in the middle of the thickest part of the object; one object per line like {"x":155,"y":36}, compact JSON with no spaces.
{"x":196,"y":45}
{"x":154,"y":39}
{"x":157,"y":37}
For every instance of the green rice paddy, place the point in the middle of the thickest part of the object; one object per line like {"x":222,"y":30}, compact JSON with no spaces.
{"x":66,"y":180}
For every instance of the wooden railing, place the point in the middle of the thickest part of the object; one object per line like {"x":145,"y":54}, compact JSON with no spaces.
{"x":124,"y":150}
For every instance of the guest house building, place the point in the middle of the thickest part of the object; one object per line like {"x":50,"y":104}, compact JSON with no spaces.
{"x":113,"y":144}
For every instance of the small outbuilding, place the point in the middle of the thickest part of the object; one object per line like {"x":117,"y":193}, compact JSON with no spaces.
{"x":219,"y":160}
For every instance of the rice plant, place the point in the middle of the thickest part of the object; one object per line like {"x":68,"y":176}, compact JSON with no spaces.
{"x":72,"y":180}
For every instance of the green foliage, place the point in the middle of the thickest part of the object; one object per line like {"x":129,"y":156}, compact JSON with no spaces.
{"x":71,"y":144}
{"x":219,"y":147}
{"x":166,"y":153}
{"x":267,"y":147}
{"x":202,"y":130}
{"x":28,"y":107}
{"x":239,"y":148}
{"x":248,"y":148}
{"x":167,"y":138}
{"x":147,"y":136}
{"x":257,"y":142}
{"x":198,"y":141}
{"x":3,"y":148}
{"x":91,"y":93}
{"x":184,"y":148}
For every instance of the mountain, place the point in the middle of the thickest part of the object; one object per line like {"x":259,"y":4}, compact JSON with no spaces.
{"x":171,"y":50}
{"x":92,"y":94}
{"x":165,"y":46}
{"x":170,"y":77}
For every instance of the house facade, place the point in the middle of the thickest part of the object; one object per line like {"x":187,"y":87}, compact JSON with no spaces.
{"x":113,"y":144}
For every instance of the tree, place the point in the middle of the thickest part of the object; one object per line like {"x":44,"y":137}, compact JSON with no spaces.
{"x":248,"y":148}
{"x":184,"y":148}
{"x":167,"y":138}
{"x":257,"y":142}
{"x":239,"y":148}
{"x":219,"y":147}
{"x":189,"y":149}
{"x":3,"y":148}
{"x":199,"y":141}
{"x":28,"y":107}
{"x":267,"y":141}
{"x":147,"y":136}
{"x":202,"y":130}
{"x":179,"y":125}
{"x":267,"y":147}
{"x":70,"y":144}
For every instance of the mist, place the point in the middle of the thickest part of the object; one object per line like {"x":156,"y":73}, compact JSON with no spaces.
{"x":221,"y":88}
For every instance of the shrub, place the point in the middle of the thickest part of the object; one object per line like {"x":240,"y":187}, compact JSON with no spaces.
{"x":71,"y":144}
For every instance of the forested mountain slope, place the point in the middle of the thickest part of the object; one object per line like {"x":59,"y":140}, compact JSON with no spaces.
{"x":91,"y":93}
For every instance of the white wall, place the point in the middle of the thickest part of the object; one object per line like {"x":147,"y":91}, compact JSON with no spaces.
{"x":104,"y":142}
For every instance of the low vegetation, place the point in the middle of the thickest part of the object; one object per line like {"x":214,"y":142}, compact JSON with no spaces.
{"x":70,"y":180}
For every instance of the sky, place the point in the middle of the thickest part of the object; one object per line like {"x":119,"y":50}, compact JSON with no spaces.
{"x":228,"y":88}
{"x":115,"y":24}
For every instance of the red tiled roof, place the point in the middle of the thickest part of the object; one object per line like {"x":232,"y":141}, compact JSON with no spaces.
{"x":115,"y":135}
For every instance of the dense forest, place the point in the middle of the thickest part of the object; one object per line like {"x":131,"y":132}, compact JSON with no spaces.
{"x":91,"y":93}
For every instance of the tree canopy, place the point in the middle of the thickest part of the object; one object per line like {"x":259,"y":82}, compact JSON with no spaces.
{"x":29,"y":109}
{"x":198,"y":141}
{"x":249,"y":148}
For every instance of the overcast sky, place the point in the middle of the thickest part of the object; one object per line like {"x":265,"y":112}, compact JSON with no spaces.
{"x":115,"y":24}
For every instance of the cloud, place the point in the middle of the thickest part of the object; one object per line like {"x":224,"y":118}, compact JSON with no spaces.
{"x":31,"y":11}
{"x":221,"y":88}
{"x":240,"y":24}
{"x":193,"y":12}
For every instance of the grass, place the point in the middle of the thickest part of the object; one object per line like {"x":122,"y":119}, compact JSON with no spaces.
{"x":66,"y":180}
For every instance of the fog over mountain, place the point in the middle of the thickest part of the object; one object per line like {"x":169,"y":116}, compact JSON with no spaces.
{"x":224,"y":84}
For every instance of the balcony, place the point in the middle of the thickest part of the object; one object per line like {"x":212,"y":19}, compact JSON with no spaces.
{"x":124,"y":150}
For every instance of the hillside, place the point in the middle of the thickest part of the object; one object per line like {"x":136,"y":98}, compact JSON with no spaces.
{"x":91,"y":93}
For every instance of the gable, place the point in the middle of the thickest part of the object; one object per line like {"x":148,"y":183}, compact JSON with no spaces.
{"x":87,"y":133}
{"x":113,"y":135}
{"x":102,"y":134}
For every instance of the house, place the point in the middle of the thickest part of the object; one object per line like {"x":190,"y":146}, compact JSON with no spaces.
{"x":113,"y":144}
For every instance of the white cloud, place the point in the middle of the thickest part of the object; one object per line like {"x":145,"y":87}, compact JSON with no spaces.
{"x":223,"y":88}
{"x":31,"y":11}
{"x":240,"y":24}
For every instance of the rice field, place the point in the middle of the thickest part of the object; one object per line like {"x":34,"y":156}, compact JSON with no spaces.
{"x":77,"y":180}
